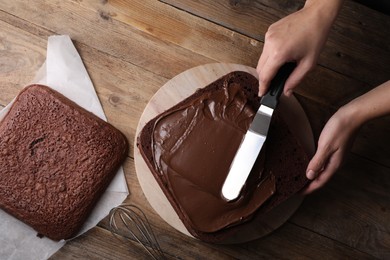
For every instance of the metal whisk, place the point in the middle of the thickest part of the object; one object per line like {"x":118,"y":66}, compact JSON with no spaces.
{"x":128,"y":218}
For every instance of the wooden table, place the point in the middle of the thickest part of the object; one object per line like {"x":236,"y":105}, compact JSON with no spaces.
{"x":131,"y":48}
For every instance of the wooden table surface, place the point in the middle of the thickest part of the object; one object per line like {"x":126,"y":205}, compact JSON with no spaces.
{"x":131,"y":48}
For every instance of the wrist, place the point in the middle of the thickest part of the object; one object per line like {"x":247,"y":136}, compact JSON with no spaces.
{"x":329,"y":5}
{"x":351,"y":115}
{"x":371,"y":105}
{"x":325,"y":10}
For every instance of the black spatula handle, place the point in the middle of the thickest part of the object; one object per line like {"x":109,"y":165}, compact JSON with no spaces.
{"x":277,"y":84}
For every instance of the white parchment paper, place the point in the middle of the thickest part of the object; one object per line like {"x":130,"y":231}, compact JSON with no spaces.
{"x":63,"y":71}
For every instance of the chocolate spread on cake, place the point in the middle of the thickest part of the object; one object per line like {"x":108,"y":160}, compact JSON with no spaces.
{"x":193,"y":147}
{"x":189,"y":148}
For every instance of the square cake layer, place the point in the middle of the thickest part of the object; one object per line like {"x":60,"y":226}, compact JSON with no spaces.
{"x":56,"y":160}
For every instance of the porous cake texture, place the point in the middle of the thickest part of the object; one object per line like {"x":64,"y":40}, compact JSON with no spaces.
{"x":56,"y":160}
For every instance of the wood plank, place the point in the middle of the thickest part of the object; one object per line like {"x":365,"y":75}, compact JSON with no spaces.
{"x":156,"y":19}
{"x":107,"y":35}
{"x":301,"y":244}
{"x":98,"y":243}
{"x":20,"y":58}
{"x":355,"y":20}
{"x":354,"y":208}
{"x":352,"y":41}
{"x":372,"y":141}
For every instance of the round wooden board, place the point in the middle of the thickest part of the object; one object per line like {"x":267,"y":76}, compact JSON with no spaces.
{"x":179,"y":88}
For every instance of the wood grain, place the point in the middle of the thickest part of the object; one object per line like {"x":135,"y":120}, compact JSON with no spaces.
{"x":189,"y":32}
{"x":353,"y":208}
{"x":205,"y":39}
{"x":108,"y":35}
{"x":19,"y":60}
{"x":343,"y":50}
{"x":132,"y":48}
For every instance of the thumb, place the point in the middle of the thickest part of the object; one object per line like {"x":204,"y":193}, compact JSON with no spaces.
{"x":331,"y":167}
{"x":317,"y":163}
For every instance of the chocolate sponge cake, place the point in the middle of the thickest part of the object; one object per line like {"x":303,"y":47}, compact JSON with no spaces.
{"x":56,"y":159}
{"x":189,"y":149}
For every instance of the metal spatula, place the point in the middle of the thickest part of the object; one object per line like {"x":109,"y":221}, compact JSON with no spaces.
{"x":255,"y":136}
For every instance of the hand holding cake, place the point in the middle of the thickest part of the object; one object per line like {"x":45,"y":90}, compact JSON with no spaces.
{"x":338,"y":134}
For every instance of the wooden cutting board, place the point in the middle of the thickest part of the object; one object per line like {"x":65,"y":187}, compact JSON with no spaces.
{"x":179,"y":88}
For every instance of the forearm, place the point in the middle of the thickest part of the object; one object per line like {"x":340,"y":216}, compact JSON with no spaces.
{"x":373,"y":104}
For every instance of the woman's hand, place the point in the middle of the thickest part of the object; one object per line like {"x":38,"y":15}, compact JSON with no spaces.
{"x":339,"y":132}
{"x":298,"y":37}
{"x":335,"y":141}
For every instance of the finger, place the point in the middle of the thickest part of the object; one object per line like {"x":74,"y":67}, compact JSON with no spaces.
{"x":324,"y":176}
{"x":319,"y":182}
{"x":317,"y":163}
{"x":267,"y":73}
{"x":297,"y":76}
{"x":263,"y":60}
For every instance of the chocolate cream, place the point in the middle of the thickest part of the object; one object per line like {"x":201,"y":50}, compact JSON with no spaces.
{"x":193,"y":147}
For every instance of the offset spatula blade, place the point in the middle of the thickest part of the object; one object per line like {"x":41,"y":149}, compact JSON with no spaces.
{"x":255,"y":136}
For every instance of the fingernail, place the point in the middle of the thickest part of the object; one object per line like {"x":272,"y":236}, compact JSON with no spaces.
{"x":311,"y":175}
{"x":289,"y":92}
